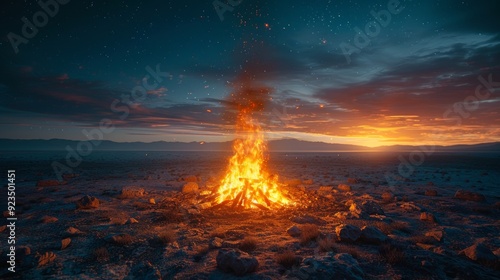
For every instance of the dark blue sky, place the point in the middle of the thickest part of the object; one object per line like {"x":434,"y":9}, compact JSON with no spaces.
{"x":397,"y":88}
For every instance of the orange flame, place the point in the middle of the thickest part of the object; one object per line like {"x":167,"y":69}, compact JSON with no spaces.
{"x":247,"y":183}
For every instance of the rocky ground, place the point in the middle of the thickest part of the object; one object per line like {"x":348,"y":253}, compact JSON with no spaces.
{"x":150,"y":217}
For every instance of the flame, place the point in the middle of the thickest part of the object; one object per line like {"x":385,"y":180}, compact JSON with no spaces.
{"x":247,"y":183}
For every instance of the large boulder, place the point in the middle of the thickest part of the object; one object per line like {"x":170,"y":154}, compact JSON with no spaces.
{"x":236,"y":262}
{"x":371,"y":234}
{"x":330,"y":266}
{"x":347,"y":233}
{"x":479,"y":252}
{"x":469,"y":196}
{"x":87,"y":202}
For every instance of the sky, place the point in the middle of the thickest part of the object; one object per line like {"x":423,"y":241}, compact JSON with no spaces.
{"x":370,"y":73}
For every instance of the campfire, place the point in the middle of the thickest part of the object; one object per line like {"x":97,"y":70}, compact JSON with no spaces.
{"x":247,"y":183}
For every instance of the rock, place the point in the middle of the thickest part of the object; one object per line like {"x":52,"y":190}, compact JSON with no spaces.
{"x":65,"y":243}
{"x":144,"y":270}
{"x":344,"y":188}
{"x":2,"y":228}
{"x":325,"y":189}
{"x":236,"y":262}
{"x":230,"y":244}
{"x":428,"y":217}
{"x":469,"y":196}
{"x":308,"y":219}
{"x":215,"y":243}
{"x":372,"y":208}
{"x":331,"y":266}
{"x":436,"y":234}
{"x":371,"y":234}
{"x":425,"y":246}
{"x":44,"y":259}
{"x":365,"y":209}
{"x":190,"y":187}
{"x":479,"y":252}
{"x":152,"y":201}
{"x":131,"y":192}
{"x":49,"y":183}
{"x":347,"y":233}
{"x":431,"y":193}
{"x":294,"y":231}
{"x":410,"y":206}
{"x":87,"y":202}
{"x":387,"y":196}
{"x":48,"y":219}
{"x":73,"y":231}
{"x":132,"y":221}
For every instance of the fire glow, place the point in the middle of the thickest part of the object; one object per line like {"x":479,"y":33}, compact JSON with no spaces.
{"x":247,"y":183}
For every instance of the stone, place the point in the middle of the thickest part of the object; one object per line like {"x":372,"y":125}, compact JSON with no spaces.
{"x":131,"y":192}
{"x":371,"y":234}
{"x":48,"y":219}
{"x":372,"y":208}
{"x":294,"y":231}
{"x":73,"y":231}
{"x":344,"y":188}
{"x":308,"y":219}
{"x":152,"y":201}
{"x":330,"y":266}
{"x":44,"y":259}
{"x":425,"y":246}
{"x":2,"y":228}
{"x":365,"y":209}
{"x":132,"y":221}
{"x":431,"y":193}
{"x":325,"y":189}
{"x":236,"y":262}
{"x":347,"y":233}
{"x":410,"y":206}
{"x":190,"y":187}
{"x":144,"y":270}
{"x":87,"y":202}
{"x":436,"y":234}
{"x":428,"y":217}
{"x":65,"y":243}
{"x":479,"y":252}
{"x":469,"y":196}
{"x":387,"y":196}
{"x":215,"y":243}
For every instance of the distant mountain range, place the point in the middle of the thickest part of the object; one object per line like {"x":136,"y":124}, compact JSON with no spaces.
{"x":274,"y":145}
